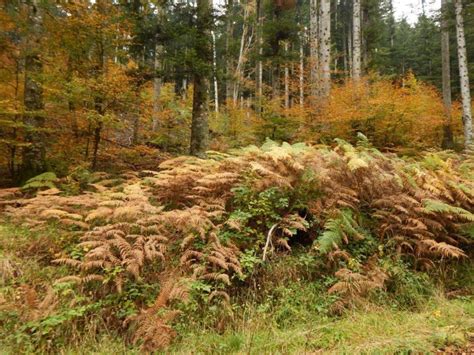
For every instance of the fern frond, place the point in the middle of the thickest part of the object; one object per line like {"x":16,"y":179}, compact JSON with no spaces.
{"x":444,"y":208}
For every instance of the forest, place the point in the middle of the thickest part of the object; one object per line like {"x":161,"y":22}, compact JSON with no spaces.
{"x":236,"y":177}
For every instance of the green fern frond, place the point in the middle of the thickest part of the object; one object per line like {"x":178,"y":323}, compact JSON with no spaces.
{"x":441,"y":207}
{"x":45,"y":180}
{"x":336,"y":230}
{"x":468,"y":230}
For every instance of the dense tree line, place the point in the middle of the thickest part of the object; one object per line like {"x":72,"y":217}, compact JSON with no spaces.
{"x":83,"y":72}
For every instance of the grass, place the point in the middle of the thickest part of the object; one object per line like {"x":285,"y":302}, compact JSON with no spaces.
{"x":292,"y":320}
{"x":444,"y":324}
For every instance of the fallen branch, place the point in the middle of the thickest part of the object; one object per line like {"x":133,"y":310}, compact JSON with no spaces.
{"x":269,"y":238}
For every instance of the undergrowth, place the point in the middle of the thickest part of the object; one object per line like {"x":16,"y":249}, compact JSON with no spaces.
{"x":288,"y":235}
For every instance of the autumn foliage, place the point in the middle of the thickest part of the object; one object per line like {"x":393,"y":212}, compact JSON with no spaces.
{"x":193,"y":221}
{"x":408,"y":113}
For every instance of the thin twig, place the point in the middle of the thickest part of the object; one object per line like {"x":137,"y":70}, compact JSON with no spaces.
{"x":269,"y":238}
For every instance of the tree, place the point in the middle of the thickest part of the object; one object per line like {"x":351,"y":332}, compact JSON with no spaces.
{"x":356,"y":46}
{"x":203,"y":48}
{"x":34,"y":153}
{"x":463,"y":75}
{"x":446,"y":75}
{"x":314,"y":47}
{"x":325,"y":47}
{"x":157,"y":73}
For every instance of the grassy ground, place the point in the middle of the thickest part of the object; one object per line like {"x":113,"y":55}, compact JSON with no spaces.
{"x":294,"y":322}
{"x":442,"y":325}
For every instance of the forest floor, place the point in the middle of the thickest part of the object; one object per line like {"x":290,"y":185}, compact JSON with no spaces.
{"x":444,"y":326}
{"x":296,"y":323}
{"x":183,"y":260}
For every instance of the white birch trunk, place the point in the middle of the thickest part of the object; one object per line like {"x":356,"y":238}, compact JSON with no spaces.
{"x":214,"y":64}
{"x":463,"y":75}
{"x":240,"y":61}
{"x":229,"y":60}
{"x":314,"y":48}
{"x":356,"y":59}
{"x":325,"y":47}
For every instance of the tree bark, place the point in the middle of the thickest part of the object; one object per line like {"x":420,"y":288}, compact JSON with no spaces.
{"x":259,"y":68}
{"x":314,"y":48}
{"x":356,"y":33}
{"x":238,"y":75}
{"x":199,"y":125}
{"x":287,"y":80}
{"x":301,"y":73}
{"x":34,"y":155}
{"x":325,"y":47}
{"x":349,"y":51}
{"x":229,"y":60}
{"x":157,"y":66}
{"x":463,"y":75}
{"x":446,"y":76}
{"x":214,"y":67}
{"x":95,"y":153}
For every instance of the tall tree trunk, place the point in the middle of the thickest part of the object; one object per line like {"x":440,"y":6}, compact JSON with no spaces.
{"x":446,"y":76}
{"x":314,"y":48}
{"x":95,"y":152}
{"x":259,"y":68}
{"x":344,"y":51}
{"x":463,"y":75}
{"x":214,"y":67}
{"x":335,"y":29}
{"x":157,"y":67}
{"x":287,"y":80}
{"x":138,"y":53}
{"x":276,"y":81}
{"x":349,"y":51}
{"x":301,"y":71}
{"x":242,"y":55}
{"x":391,"y":24}
{"x":356,"y":33}
{"x":34,"y":155}
{"x":199,"y":125}
{"x":325,"y":47}
{"x":136,"y":126}
{"x":229,"y":60}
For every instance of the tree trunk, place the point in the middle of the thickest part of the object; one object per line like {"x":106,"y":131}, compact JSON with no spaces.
{"x":259,"y":68}
{"x":229,"y":60}
{"x":34,"y":155}
{"x":97,"y":132}
{"x":287,"y":79}
{"x":135,"y":126}
{"x":446,"y":76}
{"x":463,"y":75}
{"x":314,"y":48}
{"x":301,"y":73}
{"x":214,"y":65}
{"x":356,"y":33}
{"x":157,"y":66}
{"x":99,"y":107}
{"x":325,"y":47}
{"x":349,"y":51}
{"x":391,"y":24}
{"x":242,"y":56}
{"x":199,"y":125}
